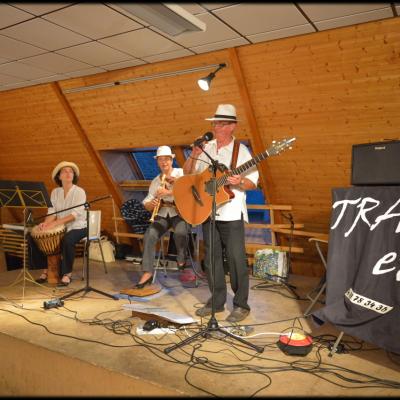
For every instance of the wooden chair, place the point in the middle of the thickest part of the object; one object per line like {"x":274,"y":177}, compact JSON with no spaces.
{"x":163,"y":254}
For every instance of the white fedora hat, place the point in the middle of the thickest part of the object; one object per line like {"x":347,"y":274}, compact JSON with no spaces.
{"x":63,"y":164}
{"x":164,"y":151}
{"x":225,"y":112}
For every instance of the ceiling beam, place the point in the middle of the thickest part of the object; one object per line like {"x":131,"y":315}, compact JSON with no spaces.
{"x":180,"y":156}
{"x":93,"y":154}
{"x":256,"y":139}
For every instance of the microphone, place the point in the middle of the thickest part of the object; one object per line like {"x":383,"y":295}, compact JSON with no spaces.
{"x":205,"y":138}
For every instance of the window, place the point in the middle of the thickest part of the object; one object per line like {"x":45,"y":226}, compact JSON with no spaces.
{"x":138,"y":164}
{"x":146,"y":163}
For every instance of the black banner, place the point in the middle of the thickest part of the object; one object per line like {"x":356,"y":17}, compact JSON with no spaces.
{"x":363,"y":267}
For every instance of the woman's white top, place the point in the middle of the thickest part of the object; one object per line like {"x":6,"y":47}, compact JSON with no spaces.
{"x":76,"y":195}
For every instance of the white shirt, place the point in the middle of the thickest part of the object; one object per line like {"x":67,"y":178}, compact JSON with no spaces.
{"x":155,"y":184}
{"x":233,"y":209}
{"x":76,"y":195}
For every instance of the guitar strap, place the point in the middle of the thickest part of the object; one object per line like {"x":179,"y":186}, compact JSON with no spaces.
{"x":235,"y":153}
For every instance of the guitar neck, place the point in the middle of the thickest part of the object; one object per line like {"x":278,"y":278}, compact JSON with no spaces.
{"x":242,"y":168}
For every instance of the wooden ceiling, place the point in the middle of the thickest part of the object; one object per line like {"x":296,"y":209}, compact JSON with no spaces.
{"x":48,"y":42}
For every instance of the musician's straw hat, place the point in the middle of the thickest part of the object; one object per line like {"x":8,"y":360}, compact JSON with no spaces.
{"x":63,"y":164}
{"x":225,"y":112}
{"x":164,"y":151}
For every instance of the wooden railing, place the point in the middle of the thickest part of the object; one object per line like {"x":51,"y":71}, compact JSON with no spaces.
{"x":12,"y":242}
{"x":251,"y":247}
{"x":273,"y":228}
{"x":132,"y":185}
{"x":131,"y":235}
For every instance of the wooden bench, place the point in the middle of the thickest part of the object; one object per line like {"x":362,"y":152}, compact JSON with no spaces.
{"x":131,"y":235}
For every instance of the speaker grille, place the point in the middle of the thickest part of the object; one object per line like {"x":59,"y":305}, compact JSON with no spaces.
{"x":376,"y":163}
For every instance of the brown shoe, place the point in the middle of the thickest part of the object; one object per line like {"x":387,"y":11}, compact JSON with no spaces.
{"x":206,"y":310}
{"x":238,"y":314}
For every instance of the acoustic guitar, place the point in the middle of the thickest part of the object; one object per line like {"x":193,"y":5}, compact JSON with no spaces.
{"x":193,"y":193}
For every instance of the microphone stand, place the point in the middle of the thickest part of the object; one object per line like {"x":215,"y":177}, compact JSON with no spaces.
{"x":87,"y":288}
{"x":212,"y":326}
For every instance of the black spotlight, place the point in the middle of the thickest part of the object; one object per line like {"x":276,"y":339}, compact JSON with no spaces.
{"x":205,"y":83}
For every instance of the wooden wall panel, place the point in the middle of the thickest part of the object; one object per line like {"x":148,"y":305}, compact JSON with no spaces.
{"x":330,"y":89}
{"x":36,"y":134}
{"x":140,"y":113}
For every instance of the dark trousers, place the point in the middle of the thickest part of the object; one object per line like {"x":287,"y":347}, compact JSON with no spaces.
{"x":70,"y":239}
{"x":153,"y":234}
{"x":38,"y":260}
{"x":230,"y":235}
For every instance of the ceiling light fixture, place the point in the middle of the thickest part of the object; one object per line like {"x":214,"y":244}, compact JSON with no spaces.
{"x":171,"y":19}
{"x":142,"y":78}
{"x":205,"y":83}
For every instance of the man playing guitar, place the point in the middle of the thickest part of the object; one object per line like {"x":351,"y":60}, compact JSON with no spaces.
{"x":230,"y":216}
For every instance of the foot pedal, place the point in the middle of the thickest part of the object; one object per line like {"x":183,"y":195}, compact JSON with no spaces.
{"x":148,"y":290}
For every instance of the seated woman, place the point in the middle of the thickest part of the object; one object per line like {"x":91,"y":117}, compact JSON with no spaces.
{"x":67,"y":195}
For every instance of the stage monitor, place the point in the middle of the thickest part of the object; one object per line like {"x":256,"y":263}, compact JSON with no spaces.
{"x":376,"y":163}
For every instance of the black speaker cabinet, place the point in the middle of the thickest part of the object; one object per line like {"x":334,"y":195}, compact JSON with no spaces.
{"x":376,"y":163}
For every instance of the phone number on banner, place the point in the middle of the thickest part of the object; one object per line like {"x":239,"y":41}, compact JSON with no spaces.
{"x":365,"y":302}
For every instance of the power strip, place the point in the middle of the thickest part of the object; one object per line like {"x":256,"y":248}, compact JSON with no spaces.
{"x":155,"y":331}
{"x":239,"y":330}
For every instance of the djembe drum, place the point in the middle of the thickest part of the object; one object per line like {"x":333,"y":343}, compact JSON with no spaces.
{"x":49,"y":242}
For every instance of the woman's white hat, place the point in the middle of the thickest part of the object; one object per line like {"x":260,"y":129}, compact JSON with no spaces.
{"x":164,"y":151}
{"x":225,"y":112}
{"x":63,"y":164}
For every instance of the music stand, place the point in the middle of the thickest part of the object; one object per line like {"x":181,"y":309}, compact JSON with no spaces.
{"x":87,"y":287}
{"x":212,"y":326}
{"x":24,"y":194}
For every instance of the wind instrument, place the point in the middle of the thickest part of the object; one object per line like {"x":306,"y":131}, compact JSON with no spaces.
{"x":157,"y":207}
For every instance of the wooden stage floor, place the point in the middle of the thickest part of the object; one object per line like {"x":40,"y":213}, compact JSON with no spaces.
{"x":91,"y":345}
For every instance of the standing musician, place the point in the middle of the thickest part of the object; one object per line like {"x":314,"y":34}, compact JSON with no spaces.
{"x":67,"y":195}
{"x":230,"y":217}
{"x":160,"y":202}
